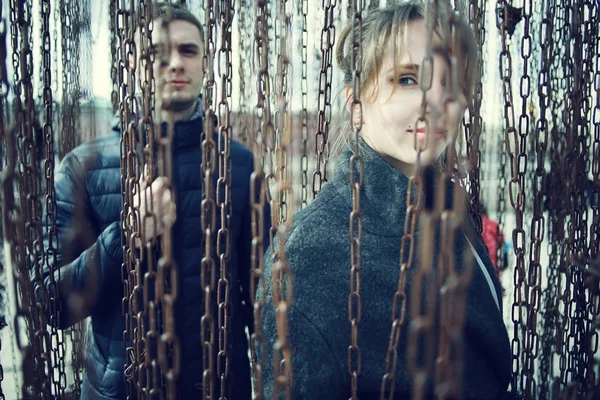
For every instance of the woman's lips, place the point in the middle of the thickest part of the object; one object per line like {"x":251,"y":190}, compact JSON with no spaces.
{"x":439,"y":133}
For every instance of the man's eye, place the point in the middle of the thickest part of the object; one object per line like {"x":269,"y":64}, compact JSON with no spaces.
{"x":188,"y":51}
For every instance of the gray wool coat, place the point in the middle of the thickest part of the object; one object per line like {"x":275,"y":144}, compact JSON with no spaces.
{"x":318,"y":252}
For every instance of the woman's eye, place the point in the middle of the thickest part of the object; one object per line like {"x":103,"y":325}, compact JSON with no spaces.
{"x":407,"y":80}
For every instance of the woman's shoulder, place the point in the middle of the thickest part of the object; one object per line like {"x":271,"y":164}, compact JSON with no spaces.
{"x":323,"y":223}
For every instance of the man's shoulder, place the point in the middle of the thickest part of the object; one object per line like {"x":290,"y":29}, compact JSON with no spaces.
{"x":240,"y":154}
{"x":101,"y":152}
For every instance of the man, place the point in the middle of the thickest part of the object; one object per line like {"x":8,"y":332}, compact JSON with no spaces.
{"x":88,"y":195}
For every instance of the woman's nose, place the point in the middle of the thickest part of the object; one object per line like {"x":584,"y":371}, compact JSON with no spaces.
{"x":435,"y":97}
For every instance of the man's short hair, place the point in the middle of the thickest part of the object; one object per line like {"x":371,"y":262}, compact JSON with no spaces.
{"x":173,"y":12}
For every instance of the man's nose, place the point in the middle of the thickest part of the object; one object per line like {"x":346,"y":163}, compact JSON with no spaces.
{"x":175,"y":61}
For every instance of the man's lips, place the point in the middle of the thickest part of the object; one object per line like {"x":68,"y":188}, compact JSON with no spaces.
{"x":178,"y":83}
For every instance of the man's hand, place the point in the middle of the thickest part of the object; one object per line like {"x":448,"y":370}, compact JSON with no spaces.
{"x":156,"y":208}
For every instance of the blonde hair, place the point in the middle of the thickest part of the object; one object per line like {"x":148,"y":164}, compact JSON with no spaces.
{"x":379,"y":26}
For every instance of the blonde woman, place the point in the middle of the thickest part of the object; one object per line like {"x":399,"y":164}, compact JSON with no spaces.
{"x":394,"y":44}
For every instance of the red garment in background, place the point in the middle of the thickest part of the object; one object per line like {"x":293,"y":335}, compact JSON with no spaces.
{"x":493,"y":239}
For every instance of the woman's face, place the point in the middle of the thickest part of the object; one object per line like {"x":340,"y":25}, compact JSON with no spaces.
{"x":392,"y":105}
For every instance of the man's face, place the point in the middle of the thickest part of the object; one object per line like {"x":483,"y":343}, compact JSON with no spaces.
{"x":179,"y":80}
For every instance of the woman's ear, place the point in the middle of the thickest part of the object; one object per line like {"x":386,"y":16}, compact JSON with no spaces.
{"x":348,"y":98}
{"x":355,"y":113}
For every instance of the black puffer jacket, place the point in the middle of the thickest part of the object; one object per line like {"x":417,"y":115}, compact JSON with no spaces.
{"x":88,"y":207}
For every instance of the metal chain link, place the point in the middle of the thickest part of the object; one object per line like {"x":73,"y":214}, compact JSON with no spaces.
{"x":30,"y":206}
{"x":14,"y":220}
{"x":114,"y":57}
{"x":474,"y":127}
{"x":356,"y":164}
{"x":258,"y":345}
{"x":324,"y":98}
{"x":150,"y":377}
{"x":580,"y":108}
{"x":420,"y":355}
{"x":167,"y":289}
{"x":128,"y":115}
{"x":520,"y":302}
{"x":208,"y":209}
{"x":559,"y":147}
{"x":453,"y":281}
{"x":594,"y":196}
{"x":540,"y":184}
{"x":70,"y":74}
{"x":245,"y":48}
{"x":303,"y":12}
{"x":531,"y":276}
{"x":282,"y":280}
{"x":414,"y":199}
{"x":57,"y":339}
{"x":588,"y":13}
{"x":569,"y":156}
{"x":223,"y":195}
{"x":3,"y":132}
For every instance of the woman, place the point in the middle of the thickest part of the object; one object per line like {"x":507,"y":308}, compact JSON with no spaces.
{"x":394,"y":42}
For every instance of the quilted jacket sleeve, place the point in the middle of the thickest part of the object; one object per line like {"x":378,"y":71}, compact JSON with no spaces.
{"x":88,"y":261}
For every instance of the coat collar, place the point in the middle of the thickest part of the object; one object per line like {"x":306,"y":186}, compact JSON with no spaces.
{"x":186,"y":133}
{"x":382,"y":195}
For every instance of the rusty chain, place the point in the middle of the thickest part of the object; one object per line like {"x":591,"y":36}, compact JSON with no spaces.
{"x":580,"y":109}
{"x":541,"y":139}
{"x":167,"y":289}
{"x":594,"y":196}
{"x":150,"y":376}
{"x":282,"y":120}
{"x":114,"y":58}
{"x":39,"y":361}
{"x":589,"y":289}
{"x":559,"y":148}
{"x":407,"y":247}
{"x":327,"y":43}
{"x":505,"y":67}
{"x":557,"y":134}
{"x":531,"y":275}
{"x":258,"y":195}
{"x":356,"y":164}
{"x":245,"y":48}
{"x":223,"y":195}
{"x":208,"y":270}
{"x":569,"y":84}
{"x":59,"y":377}
{"x":454,"y":280}
{"x":474,"y":127}
{"x":3,"y":126}
{"x":501,"y":217}
{"x":303,"y":12}
{"x":282,"y":281}
{"x":420,"y":355}
{"x":70,"y":33}
{"x":69,"y":15}
{"x":128,"y":112}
